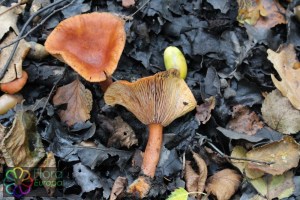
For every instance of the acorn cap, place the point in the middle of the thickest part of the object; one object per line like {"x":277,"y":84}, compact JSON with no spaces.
{"x":160,"y":98}
{"x":91,"y":44}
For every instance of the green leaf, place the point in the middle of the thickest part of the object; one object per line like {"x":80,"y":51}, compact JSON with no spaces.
{"x":179,"y":194}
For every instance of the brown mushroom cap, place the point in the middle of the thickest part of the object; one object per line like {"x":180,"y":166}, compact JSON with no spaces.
{"x":160,"y":98}
{"x":91,"y":44}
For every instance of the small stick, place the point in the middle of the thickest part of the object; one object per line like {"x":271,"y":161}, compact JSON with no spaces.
{"x":4,"y":69}
{"x":38,"y":25}
{"x":14,"y":6}
{"x":50,"y":94}
{"x":235,"y":158}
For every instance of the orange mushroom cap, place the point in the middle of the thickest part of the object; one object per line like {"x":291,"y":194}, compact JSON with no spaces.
{"x":15,"y":85}
{"x":158,"y":99}
{"x":91,"y":44}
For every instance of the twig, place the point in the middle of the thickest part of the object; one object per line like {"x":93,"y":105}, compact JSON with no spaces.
{"x":235,"y":158}
{"x":38,"y":25}
{"x":50,"y":94}
{"x":130,"y":17}
{"x":4,"y":69}
{"x":14,"y":6}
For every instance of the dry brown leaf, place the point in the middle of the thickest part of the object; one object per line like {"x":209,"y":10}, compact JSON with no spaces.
{"x":240,"y":152}
{"x":119,"y":186}
{"x":279,"y":113}
{"x":48,"y":166}
{"x":223,"y":184}
{"x":244,"y":121}
{"x":79,"y":102}
{"x":195,"y":181}
{"x":285,"y":154}
{"x":204,"y":110}
{"x":261,"y":13}
{"x":8,"y":20}
{"x":123,"y":135}
{"x":15,"y":68}
{"x":285,"y":62}
{"x":17,"y":144}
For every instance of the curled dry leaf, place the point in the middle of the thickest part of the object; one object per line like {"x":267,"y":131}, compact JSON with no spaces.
{"x":284,"y":154}
{"x":195,"y":181}
{"x":285,"y":62}
{"x":240,"y":152}
{"x":123,"y":135}
{"x":279,"y":114}
{"x":15,"y":67}
{"x":17,"y":144}
{"x":271,"y":187}
{"x":119,"y":187}
{"x":204,"y":110}
{"x":244,"y":121}
{"x":48,"y":166}
{"x":223,"y":184}
{"x":79,"y":102}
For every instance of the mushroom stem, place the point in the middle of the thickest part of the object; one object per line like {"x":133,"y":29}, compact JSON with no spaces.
{"x":105,"y":84}
{"x":152,"y":152}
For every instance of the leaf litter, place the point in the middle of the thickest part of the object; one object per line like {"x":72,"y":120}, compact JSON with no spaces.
{"x":216,"y":48}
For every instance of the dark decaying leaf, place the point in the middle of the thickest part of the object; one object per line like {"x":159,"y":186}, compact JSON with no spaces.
{"x":79,"y":102}
{"x":244,"y":121}
{"x":123,"y":135}
{"x":223,"y":184}
{"x":284,"y":154}
{"x":204,"y":110}
{"x":22,"y":145}
{"x":89,"y":180}
{"x":195,"y":180}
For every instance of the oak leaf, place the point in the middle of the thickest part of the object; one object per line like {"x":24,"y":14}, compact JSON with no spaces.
{"x":79,"y":102}
{"x":118,"y":187}
{"x":8,"y":20}
{"x":287,"y":65}
{"x":204,"y":110}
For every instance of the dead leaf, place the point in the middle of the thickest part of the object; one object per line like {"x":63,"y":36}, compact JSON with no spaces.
{"x":285,"y":154}
{"x":48,"y":166}
{"x":280,"y":186}
{"x":195,"y":181}
{"x":284,"y":62}
{"x":119,"y":186}
{"x":204,"y":110}
{"x":223,"y":184}
{"x":17,"y":145}
{"x":244,"y":121}
{"x":263,"y":14}
{"x":279,"y":114}
{"x":8,"y":20}
{"x":242,"y":165}
{"x":123,"y":135}
{"x":250,"y":11}
{"x":15,"y":68}
{"x":79,"y":102}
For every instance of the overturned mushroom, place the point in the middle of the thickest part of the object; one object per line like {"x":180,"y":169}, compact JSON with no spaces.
{"x":91,"y":44}
{"x":156,"y":101}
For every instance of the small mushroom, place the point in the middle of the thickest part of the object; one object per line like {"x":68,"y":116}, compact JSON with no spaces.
{"x":156,"y":101}
{"x":91,"y":44}
{"x":15,"y":85}
{"x":174,"y":59}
